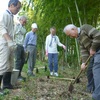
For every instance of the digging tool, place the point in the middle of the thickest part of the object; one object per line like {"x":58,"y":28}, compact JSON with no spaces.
{"x":37,"y":71}
{"x":68,"y":79}
{"x":44,"y":67}
{"x":71,"y":87}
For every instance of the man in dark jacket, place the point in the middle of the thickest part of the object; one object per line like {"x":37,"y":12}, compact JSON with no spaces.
{"x":89,"y":39}
{"x":19,"y":52}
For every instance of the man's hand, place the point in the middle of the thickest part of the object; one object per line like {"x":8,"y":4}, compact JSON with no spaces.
{"x":83,"y":66}
{"x":46,"y":53}
{"x":92,"y":52}
{"x":64,"y":47}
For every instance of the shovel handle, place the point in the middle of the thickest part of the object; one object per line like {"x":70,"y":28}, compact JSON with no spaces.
{"x":77,"y":76}
{"x":87,"y":60}
{"x":82,"y":70}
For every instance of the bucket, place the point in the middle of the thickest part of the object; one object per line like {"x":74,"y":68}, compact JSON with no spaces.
{"x":14,"y":76}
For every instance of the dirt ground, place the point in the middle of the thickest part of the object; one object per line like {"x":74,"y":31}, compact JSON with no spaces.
{"x":44,"y":88}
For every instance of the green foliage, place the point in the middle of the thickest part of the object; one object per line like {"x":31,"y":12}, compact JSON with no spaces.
{"x":17,"y":98}
{"x":58,"y":13}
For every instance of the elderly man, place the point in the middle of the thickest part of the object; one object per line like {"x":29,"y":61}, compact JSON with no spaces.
{"x":89,"y":39}
{"x":52,"y":41}
{"x":30,"y":44}
{"x":7,"y":45}
{"x":19,"y":38}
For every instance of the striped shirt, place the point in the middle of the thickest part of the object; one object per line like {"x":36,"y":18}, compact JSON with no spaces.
{"x":89,"y":38}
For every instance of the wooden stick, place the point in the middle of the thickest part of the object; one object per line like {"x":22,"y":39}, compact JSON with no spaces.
{"x":40,"y":67}
{"x":68,"y":79}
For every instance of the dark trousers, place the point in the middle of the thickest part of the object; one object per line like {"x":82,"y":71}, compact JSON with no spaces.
{"x":94,"y":75}
{"x":7,"y":81}
{"x":19,"y":58}
{"x":0,"y":80}
{"x":90,"y":85}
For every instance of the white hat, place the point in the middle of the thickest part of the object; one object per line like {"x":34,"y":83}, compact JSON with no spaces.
{"x":34,"y":25}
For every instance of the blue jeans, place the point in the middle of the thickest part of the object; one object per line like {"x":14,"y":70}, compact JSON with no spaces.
{"x":90,"y":86}
{"x":53,"y":61}
{"x":94,"y":76}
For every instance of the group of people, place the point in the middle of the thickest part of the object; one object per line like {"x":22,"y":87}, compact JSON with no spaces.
{"x":25,"y":43}
{"x":14,"y":42}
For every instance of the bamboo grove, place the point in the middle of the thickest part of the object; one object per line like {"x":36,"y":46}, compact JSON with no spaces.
{"x":58,"y":13}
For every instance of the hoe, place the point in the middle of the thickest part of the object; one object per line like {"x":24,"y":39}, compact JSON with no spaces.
{"x":71,"y":87}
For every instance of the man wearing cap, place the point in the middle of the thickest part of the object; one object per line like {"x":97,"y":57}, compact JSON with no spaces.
{"x":30,"y":46}
{"x":7,"y":45}
{"x":19,"y":52}
{"x":89,"y":39}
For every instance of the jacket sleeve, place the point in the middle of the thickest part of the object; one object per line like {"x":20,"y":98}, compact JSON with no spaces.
{"x":46,"y":44}
{"x":26,"y":41}
{"x":84,"y":53}
{"x":58,"y":42}
{"x":3,"y":22}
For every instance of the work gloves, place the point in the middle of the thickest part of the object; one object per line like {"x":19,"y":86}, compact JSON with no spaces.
{"x":12,"y":45}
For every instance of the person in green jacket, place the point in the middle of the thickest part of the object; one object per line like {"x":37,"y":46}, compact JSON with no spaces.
{"x":20,"y":32}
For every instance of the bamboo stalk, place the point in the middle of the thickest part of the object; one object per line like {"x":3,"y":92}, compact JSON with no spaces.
{"x":77,"y":48}
{"x":78,"y":13}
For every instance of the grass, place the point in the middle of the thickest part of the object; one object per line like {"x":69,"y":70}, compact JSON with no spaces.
{"x":42,"y":88}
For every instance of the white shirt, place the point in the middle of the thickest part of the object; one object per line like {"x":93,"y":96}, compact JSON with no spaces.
{"x":52,"y":47}
{"x":78,"y":30}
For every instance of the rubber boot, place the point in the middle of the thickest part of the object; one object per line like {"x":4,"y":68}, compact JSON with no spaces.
{"x":1,"y":91}
{"x":7,"y":81}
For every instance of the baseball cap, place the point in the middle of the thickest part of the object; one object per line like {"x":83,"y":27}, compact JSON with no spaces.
{"x":34,"y":25}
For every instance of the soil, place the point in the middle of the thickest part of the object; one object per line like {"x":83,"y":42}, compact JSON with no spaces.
{"x":44,"y":88}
